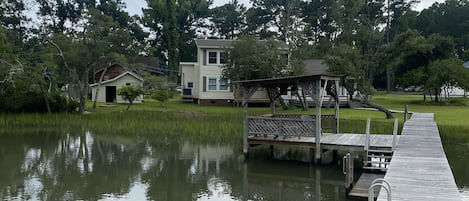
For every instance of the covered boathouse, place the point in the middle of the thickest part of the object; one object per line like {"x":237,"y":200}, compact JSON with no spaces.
{"x":290,"y":129}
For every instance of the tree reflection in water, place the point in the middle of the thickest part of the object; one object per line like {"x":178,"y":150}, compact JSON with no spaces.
{"x":107,"y":167}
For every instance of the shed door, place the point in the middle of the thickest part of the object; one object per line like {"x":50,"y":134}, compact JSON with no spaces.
{"x":111,"y":93}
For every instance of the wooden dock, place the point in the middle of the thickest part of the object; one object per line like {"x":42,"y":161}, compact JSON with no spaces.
{"x":419,"y":169}
{"x":345,"y":142}
{"x":360,"y":189}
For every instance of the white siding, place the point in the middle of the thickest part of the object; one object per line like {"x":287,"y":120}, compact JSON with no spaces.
{"x":122,"y":81}
{"x":189,"y":72}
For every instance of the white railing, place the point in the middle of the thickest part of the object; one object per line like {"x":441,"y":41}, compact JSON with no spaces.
{"x":384,"y":183}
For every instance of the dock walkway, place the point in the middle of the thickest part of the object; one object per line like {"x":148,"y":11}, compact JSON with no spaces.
{"x":345,"y":142}
{"x":419,"y":169}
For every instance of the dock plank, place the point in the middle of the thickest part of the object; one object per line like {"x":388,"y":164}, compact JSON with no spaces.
{"x":346,"y":141}
{"x":419,"y":169}
{"x":360,"y":189}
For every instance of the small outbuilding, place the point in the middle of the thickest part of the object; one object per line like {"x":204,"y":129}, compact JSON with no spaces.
{"x":115,"y":77}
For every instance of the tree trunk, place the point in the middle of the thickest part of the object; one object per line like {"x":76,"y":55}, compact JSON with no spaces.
{"x":305,"y":101}
{"x":128,"y":106}
{"x":97,"y":89}
{"x":378,"y":107}
{"x":388,"y":80}
{"x":283,"y":103}
{"x":46,"y":99}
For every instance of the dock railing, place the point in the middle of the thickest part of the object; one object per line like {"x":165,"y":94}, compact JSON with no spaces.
{"x":288,"y":125}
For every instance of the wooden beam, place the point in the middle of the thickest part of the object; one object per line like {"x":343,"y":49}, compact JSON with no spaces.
{"x":323,"y":91}
{"x":337,"y":106}
{"x":272,"y":92}
{"x":318,"y":122}
{"x":248,"y":92}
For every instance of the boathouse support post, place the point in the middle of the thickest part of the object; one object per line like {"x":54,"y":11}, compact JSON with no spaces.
{"x":367,"y":134}
{"x":337,"y":106}
{"x":318,"y":100}
{"x":406,"y":112}
{"x":248,"y":91}
{"x":394,"y":134}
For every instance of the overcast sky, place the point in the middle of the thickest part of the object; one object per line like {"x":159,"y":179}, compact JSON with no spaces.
{"x":135,"y":6}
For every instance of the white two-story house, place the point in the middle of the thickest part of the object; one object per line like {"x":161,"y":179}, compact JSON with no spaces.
{"x":201,"y":81}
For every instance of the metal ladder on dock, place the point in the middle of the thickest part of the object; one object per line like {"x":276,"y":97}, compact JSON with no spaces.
{"x":377,"y":159}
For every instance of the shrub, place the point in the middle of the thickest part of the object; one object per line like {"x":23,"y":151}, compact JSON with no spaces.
{"x":161,"y":96}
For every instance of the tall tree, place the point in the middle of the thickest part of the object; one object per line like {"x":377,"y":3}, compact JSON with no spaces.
{"x":229,"y":19}
{"x":321,"y":27}
{"x":174,"y":24}
{"x":449,"y":18}
{"x":396,"y":10}
{"x":14,"y":19}
{"x":56,"y":14}
{"x":273,"y":15}
{"x":101,"y":41}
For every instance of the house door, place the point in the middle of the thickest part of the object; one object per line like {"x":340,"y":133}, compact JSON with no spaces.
{"x":111,"y":93}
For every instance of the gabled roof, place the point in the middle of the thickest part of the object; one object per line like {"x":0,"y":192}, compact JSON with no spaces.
{"x":213,"y":43}
{"x":118,"y":77}
{"x":315,"y":66}
{"x":284,"y":81}
{"x":111,"y":65}
{"x":224,"y":43}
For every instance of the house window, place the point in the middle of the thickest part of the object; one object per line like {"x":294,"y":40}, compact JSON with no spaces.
{"x":223,"y":85}
{"x":127,"y":84}
{"x":222,"y":57}
{"x":212,"y":84}
{"x":213,"y":57}
{"x":216,"y":84}
{"x":216,"y":57}
{"x":190,"y":84}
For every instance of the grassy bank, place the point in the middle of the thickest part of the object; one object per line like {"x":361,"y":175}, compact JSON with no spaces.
{"x":176,"y":120}
{"x":452,"y":120}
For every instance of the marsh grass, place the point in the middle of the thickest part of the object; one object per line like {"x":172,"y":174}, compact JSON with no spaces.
{"x":176,"y":120}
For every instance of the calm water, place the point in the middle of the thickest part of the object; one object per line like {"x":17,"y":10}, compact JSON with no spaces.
{"x":87,"y":167}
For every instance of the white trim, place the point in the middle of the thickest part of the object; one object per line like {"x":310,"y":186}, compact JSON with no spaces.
{"x":217,"y":85}
{"x":218,"y":56}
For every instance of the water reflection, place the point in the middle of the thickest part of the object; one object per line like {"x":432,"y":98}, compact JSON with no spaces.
{"x":457,"y":154}
{"x":104,"y":167}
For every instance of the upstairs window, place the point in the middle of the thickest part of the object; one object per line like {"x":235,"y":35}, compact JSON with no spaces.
{"x":216,"y":57}
{"x":213,"y":57}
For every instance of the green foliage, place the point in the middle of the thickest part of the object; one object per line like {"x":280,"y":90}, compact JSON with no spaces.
{"x":161,"y":96}
{"x":153,"y":83}
{"x":228,"y":19}
{"x":347,"y":61}
{"x":252,"y":59}
{"x":130,"y":94}
{"x":174,"y":23}
{"x":283,"y":16}
{"x":443,"y":74}
{"x":449,"y":18}
{"x":72,"y":106}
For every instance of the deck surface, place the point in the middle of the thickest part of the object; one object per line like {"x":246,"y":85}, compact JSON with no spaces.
{"x":347,"y":142}
{"x":419,"y":169}
{"x":360,"y":189}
